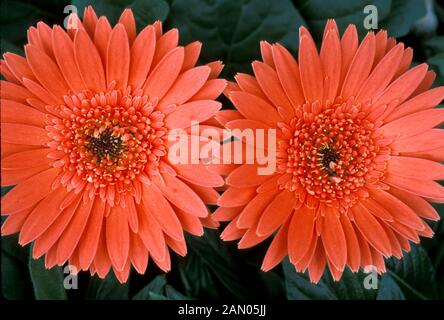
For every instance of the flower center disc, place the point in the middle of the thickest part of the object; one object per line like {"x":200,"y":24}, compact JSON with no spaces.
{"x":329,"y":154}
{"x":107,"y":139}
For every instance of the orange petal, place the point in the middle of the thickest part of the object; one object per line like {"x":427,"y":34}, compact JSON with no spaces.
{"x":413,"y":124}
{"x":371,"y":229}
{"x":178,"y":193}
{"x":47,"y":240}
{"x":300,"y":233}
{"x":165,"y":44}
{"x":381,"y":75}
{"x":310,"y":67}
{"x":192,"y":52}
{"x":211,"y":90}
{"x":408,"y":167}
{"x":42,"y":216}
{"x":138,"y":253}
{"x":101,"y":37}
{"x":89,"y":20}
{"x":89,"y":62}
{"x":277,"y":249}
{"x":15,"y":112}
{"x":271,"y":86}
{"x":21,"y":133}
{"x":276,"y":213}
{"x":46,"y":71}
{"x":236,"y":197}
{"x":288,"y":72}
{"x":199,"y":111}
{"x":333,"y":239}
{"x":127,"y":20}
{"x":423,"y":101}
{"x":90,"y":239}
{"x":142,"y":53}
{"x":186,"y":86}
{"x":26,"y":159}
{"x":64,"y":55}
{"x":151,"y":235}
{"x":164,"y":74}
{"x":353,"y":251}
{"x":117,"y":237}
{"x":30,"y":191}
{"x":254,"y":108}
{"x":71,"y":235}
{"x":331,"y":63}
{"x":118,"y":58}
{"x":360,"y":67}
{"x":161,"y":210}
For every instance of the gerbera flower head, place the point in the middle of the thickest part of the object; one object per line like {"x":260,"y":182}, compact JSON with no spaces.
{"x":85,"y":119}
{"x":357,"y":153}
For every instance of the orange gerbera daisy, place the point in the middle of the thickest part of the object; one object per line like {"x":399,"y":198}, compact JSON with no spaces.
{"x":357,"y":153}
{"x":85,"y":116}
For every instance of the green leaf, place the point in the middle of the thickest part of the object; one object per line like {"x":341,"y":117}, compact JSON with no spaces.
{"x":350,"y":287}
{"x":14,"y":281}
{"x":403,"y":16}
{"x":173,"y":294}
{"x":18,"y":16}
{"x":145,"y":11}
{"x":111,"y":289}
{"x":414,"y":274}
{"x":389,"y":289}
{"x":231,"y":30}
{"x":213,"y":253}
{"x":156,"y":286}
{"x":48,"y":283}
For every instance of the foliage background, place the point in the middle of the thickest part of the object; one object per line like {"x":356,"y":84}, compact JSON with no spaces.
{"x":230,"y":31}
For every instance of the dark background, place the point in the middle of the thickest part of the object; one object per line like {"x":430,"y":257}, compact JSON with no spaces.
{"x":230,"y":31}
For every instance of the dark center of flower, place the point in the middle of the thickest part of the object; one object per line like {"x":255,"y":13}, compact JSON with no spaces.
{"x":105,"y":146}
{"x":328,"y":159}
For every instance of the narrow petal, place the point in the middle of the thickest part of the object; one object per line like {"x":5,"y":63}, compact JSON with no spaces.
{"x":64,"y":54}
{"x":300,"y":233}
{"x":117,"y":237}
{"x":333,"y":239}
{"x":277,"y":250}
{"x":29,"y":192}
{"x":42,"y":216}
{"x":90,"y":239}
{"x":254,"y":108}
{"x":15,"y":112}
{"x":128,"y":21}
{"x":310,"y":67}
{"x":46,"y":71}
{"x":381,"y":75}
{"x":142,"y":53}
{"x":271,"y":86}
{"x":118,"y":58}
{"x":183,"y":116}
{"x":186,"y":86}
{"x":20,"y":133}
{"x":161,"y":210}
{"x":178,"y":193}
{"x":331,"y":63}
{"x":164,"y":74}
{"x":276,"y":213}
{"x":414,"y":124}
{"x":360,"y":67}
{"x":89,"y":62}
{"x":236,"y":197}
